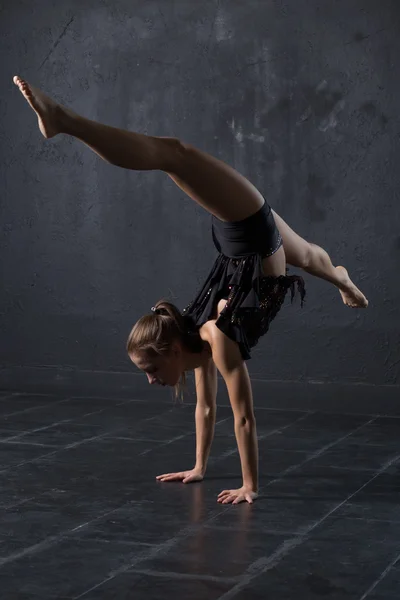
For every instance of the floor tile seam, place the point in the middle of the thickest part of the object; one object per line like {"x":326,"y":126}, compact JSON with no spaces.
{"x":352,"y":469}
{"x":237,"y":529}
{"x":104,"y":434}
{"x":128,"y":505}
{"x":288,"y":546}
{"x":67,"y":447}
{"x":368,"y":520}
{"x":176,"y":438}
{"x":43,"y":428}
{"x":12,"y":395}
{"x":317,"y":453}
{"x":66,"y":421}
{"x":19,"y":502}
{"x":33,"y":408}
{"x":63,"y":421}
{"x":382,"y":576}
{"x":185,"y":576}
{"x":288,"y":470}
{"x":361,"y":444}
{"x":99,"y":540}
{"x":263,"y":564}
{"x":379,"y":472}
{"x":35,"y":444}
{"x":167,"y":443}
{"x":134,"y":439}
{"x":117,"y":399}
{"x":261,"y":437}
{"x":54,"y":540}
{"x":159,"y":549}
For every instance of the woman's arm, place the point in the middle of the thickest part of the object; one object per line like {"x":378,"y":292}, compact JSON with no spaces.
{"x":228,"y":360}
{"x":206,"y":391}
{"x":206,"y":410}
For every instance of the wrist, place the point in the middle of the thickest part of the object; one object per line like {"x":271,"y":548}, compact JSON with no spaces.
{"x":200,"y":468}
{"x":251,"y":486}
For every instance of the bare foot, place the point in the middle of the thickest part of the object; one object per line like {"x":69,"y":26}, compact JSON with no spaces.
{"x":47,"y":110}
{"x":350,"y":293}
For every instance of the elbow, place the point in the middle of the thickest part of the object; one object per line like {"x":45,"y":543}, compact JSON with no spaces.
{"x":206,"y":410}
{"x":245,"y":421}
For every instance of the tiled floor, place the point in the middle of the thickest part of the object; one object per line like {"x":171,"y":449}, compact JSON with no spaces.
{"x":83,"y":516}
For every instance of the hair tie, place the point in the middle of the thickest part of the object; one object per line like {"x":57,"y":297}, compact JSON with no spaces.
{"x":155,"y":310}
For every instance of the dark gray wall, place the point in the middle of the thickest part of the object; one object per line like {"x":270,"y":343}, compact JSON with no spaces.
{"x":301,"y":96}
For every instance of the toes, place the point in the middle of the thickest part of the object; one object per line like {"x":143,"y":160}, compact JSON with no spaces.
{"x":22,"y":84}
{"x":25,"y":89}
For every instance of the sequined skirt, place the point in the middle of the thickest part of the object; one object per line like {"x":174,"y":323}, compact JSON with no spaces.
{"x":253,"y":300}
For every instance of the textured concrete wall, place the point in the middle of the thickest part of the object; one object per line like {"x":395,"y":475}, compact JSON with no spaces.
{"x":300,"y":96}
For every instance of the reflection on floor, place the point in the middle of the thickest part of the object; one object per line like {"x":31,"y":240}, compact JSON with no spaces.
{"x":83,"y":516}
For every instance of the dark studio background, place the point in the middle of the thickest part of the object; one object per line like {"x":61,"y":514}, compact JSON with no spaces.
{"x":300,"y":96}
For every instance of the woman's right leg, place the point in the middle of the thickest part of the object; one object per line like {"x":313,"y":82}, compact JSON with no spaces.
{"x":315,"y":260}
{"x":210,"y":182}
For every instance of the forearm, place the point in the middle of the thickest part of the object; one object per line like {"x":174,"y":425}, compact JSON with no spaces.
{"x":205,"y":424}
{"x":246,"y":437}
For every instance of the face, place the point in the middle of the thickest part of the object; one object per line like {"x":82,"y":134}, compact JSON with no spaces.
{"x":161,"y":370}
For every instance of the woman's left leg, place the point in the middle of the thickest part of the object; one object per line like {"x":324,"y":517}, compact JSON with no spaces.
{"x":214,"y":185}
{"x":315,"y":260}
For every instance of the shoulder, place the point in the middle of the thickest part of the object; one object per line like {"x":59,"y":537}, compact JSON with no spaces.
{"x":225,"y":352}
{"x":227,"y":359}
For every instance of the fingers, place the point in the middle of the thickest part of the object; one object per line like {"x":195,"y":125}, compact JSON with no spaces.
{"x":225,"y":493}
{"x":231,"y":499}
{"x":184,"y":476}
{"x":170,"y":477}
{"x":234,"y":497}
{"x":227,"y":496}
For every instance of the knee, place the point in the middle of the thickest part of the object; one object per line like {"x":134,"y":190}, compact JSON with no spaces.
{"x":305,"y":256}
{"x":172,"y":146}
{"x":184,"y":151}
{"x":245,"y":420}
{"x":175,"y":145}
{"x":175,"y":153}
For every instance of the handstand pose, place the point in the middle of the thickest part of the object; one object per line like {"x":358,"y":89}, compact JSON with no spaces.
{"x":241,"y":296}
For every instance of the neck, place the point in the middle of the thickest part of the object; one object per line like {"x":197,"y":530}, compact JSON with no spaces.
{"x":192,"y":360}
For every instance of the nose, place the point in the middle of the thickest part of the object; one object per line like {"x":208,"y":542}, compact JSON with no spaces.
{"x":151,"y":379}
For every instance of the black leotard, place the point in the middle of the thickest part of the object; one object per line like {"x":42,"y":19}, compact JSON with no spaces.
{"x":253,"y":300}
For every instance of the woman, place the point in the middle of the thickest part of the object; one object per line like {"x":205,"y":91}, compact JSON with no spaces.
{"x":241,"y":296}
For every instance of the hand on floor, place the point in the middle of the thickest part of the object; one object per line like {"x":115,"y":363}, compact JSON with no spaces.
{"x":242,"y":494}
{"x":184,"y":476}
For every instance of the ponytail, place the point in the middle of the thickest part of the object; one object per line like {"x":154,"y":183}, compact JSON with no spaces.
{"x":154,"y":334}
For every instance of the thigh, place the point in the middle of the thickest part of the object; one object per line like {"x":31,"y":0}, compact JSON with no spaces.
{"x":296,"y":248}
{"x":275,"y":265}
{"x":216,"y":186}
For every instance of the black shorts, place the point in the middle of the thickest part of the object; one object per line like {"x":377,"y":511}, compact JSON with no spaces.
{"x":253,"y":300}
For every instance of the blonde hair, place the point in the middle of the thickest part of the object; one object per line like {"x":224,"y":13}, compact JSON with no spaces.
{"x":155,"y":333}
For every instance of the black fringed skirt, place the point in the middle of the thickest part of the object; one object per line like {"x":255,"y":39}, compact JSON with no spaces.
{"x":253,"y":300}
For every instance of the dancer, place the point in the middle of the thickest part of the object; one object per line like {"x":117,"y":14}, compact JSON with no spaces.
{"x":241,"y":296}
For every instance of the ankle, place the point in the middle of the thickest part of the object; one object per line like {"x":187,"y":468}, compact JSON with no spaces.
{"x":67,"y":121}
